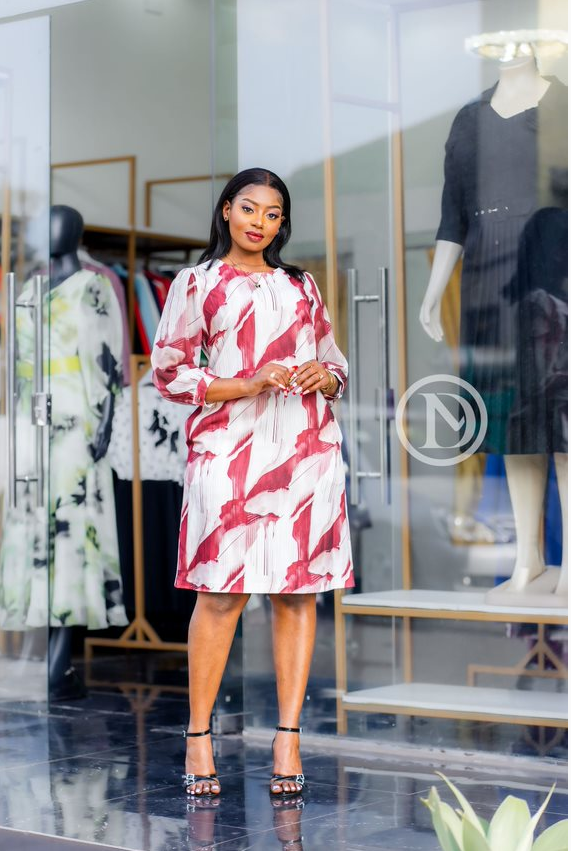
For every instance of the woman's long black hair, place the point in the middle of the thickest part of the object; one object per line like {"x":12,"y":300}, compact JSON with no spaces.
{"x":220,"y":241}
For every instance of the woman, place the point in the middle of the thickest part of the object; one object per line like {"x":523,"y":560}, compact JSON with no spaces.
{"x":264,"y":497}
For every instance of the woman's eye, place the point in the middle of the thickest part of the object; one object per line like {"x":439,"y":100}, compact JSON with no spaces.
{"x":247,"y":209}
{"x":272,"y":215}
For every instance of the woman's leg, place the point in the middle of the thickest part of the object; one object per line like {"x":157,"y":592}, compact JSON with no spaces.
{"x":293,"y":634}
{"x":210,"y":633}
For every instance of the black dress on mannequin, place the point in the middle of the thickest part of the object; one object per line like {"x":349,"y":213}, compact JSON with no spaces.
{"x":498,"y":173}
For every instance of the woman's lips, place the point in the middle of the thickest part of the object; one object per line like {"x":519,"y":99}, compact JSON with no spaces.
{"x":254,"y":237}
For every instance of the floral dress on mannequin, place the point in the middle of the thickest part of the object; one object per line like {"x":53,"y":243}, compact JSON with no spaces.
{"x":80,"y":581}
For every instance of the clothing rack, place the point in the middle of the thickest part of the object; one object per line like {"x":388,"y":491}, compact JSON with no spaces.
{"x":139,"y":635}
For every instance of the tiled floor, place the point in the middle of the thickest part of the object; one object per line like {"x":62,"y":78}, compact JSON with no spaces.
{"x":106,"y":770}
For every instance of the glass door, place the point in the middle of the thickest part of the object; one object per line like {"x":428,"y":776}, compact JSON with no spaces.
{"x":365,"y":154}
{"x":361,"y":140}
{"x":24,"y":342}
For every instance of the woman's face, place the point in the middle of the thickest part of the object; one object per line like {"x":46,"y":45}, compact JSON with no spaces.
{"x":254,"y":217}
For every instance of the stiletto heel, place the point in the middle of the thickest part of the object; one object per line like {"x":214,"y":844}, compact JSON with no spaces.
{"x":287,"y":778}
{"x":189,"y":780}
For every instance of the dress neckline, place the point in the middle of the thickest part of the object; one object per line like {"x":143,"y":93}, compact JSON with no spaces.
{"x":243,"y":271}
{"x":523,"y":112}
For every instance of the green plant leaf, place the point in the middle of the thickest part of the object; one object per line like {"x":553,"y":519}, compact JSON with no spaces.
{"x":472,"y":839}
{"x":526,"y":839}
{"x":468,"y":811}
{"x":485,"y":825}
{"x":453,"y":823}
{"x":555,"y":838}
{"x":508,"y":824}
{"x":442,"y":821}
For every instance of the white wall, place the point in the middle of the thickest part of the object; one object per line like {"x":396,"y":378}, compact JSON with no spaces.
{"x":13,"y":8}
{"x":127,"y":81}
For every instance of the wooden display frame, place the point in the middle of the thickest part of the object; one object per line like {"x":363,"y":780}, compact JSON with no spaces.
{"x":195,"y":178}
{"x":137,"y":241}
{"x":539,"y":650}
{"x":139,"y":635}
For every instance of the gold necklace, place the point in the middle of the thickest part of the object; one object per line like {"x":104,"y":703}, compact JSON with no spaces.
{"x":264,"y":265}
{"x":248,"y":274}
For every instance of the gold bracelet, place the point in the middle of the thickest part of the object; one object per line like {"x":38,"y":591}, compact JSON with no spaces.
{"x":331,"y":388}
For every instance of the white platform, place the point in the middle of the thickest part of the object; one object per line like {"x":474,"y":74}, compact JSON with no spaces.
{"x":539,"y":592}
{"x":447,"y":601}
{"x":459,"y":699}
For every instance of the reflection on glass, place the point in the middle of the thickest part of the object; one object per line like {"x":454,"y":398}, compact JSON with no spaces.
{"x":24,"y":199}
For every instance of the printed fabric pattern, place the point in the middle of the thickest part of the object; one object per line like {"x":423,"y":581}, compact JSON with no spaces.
{"x":264,"y":508}
{"x":81,"y":554}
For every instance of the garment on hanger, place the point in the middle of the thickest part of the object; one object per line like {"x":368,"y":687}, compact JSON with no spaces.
{"x":150,"y":313}
{"x":167,"y":608}
{"x":89,"y":262}
{"x":84,"y":584}
{"x":498,"y":173}
{"x":160,"y":286}
{"x":538,"y":290}
{"x":162,"y":444}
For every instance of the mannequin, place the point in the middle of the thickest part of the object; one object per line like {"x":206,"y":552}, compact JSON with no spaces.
{"x":73,"y":579}
{"x":66,"y":229}
{"x":519,"y":91}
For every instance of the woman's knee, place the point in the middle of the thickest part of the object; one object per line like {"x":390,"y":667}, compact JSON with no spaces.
{"x":221,"y":604}
{"x":293,"y":602}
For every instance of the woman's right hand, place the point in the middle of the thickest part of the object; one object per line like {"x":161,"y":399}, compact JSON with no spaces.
{"x":272,"y":376}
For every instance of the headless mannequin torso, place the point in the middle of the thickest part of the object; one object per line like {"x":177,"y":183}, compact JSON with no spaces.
{"x":520,"y":88}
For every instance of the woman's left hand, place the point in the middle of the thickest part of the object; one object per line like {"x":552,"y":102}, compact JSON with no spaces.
{"x":310,"y":377}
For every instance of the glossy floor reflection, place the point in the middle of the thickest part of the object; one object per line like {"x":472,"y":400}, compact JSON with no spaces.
{"x":106,"y":770}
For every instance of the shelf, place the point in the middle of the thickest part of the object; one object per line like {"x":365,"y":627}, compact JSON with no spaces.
{"x":511,"y":706}
{"x":446,"y":605}
{"x":148,"y":241}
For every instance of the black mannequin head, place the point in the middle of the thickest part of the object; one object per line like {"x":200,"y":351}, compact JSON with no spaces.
{"x":66,"y":229}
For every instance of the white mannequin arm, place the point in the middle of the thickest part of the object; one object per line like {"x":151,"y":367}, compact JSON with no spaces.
{"x":446,"y":256}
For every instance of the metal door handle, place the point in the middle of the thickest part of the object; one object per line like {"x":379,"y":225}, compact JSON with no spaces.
{"x":40,"y":417}
{"x":354,"y":299}
{"x":384,"y":431}
{"x":11,"y":388}
{"x":40,"y":403}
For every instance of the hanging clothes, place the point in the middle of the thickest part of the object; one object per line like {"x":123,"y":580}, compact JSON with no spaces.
{"x":162,"y":444}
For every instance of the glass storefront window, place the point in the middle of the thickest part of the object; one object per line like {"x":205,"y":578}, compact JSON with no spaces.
{"x":401,"y":154}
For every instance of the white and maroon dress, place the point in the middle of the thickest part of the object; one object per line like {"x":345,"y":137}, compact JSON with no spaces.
{"x":264,"y":506}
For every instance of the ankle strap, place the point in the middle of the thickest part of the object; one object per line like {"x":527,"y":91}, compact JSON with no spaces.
{"x":188,"y":735}
{"x":289,"y":729}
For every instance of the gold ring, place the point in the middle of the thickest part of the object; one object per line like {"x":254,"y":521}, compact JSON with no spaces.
{"x":321,"y":376}
{"x":272,"y":375}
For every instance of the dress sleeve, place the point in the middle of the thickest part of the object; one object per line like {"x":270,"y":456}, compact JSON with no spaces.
{"x":100,"y":342}
{"x":328,"y":353}
{"x":177,"y":373}
{"x":453,"y":225}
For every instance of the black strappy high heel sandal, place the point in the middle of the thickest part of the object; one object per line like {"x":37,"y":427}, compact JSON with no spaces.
{"x":287,"y":778}
{"x":189,"y":780}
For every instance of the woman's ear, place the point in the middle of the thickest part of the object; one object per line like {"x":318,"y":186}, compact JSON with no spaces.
{"x":226,"y":210}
